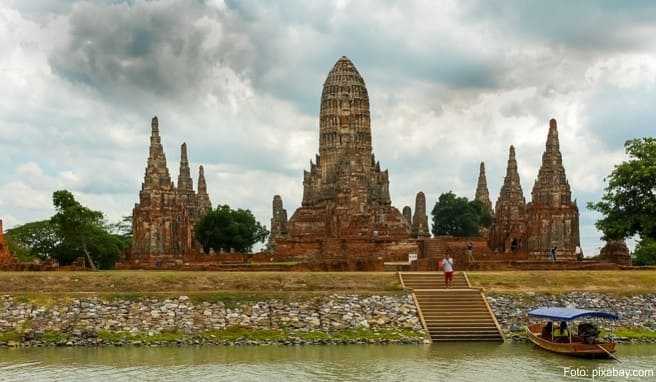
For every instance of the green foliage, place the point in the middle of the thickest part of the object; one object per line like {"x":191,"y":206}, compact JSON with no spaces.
{"x":34,"y":240}
{"x":122,"y":228}
{"x":457,"y":216}
{"x":645,"y":252}
{"x":629,"y":200}
{"x":225,"y":228}
{"x":74,"y":231}
{"x":83,"y":233}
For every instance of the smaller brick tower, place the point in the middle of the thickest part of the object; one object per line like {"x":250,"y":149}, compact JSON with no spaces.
{"x":508,"y":229}
{"x":482,"y":193}
{"x":420,"y":219}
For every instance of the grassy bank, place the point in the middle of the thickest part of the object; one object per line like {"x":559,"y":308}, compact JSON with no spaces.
{"x":227,"y":286}
{"x":557,"y":282}
{"x":162,"y":282}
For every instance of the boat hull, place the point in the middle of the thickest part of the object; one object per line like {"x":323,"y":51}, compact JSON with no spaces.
{"x":574,"y":349}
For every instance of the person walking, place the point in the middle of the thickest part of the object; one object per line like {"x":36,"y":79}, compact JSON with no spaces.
{"x":447,"y":268}
{"x":552,"y":254}
{"x":469,"y":251}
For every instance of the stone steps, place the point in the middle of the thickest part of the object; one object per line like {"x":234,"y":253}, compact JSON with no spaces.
{"x":460,"y":313}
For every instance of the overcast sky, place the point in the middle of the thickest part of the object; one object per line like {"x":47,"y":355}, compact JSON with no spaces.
{"x":451,"y":83}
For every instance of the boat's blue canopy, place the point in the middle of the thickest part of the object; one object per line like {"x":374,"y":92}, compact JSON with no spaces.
{"x":568,"y":314}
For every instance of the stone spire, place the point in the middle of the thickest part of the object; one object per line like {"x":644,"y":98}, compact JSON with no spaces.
{"x":345,"y":191}
{"x":511,"y":191}
{"x":344,"y":121}
{"x":407,"y":214}
{"x":420,"y":219}
{"x":157,"y":173}
{"x":278,"y":220}
{"x":509,"y":226}
{"x":482,"y":193}
{"x":551,"y":187}
{"x":185,"y":183}
{"x":204,"y":203}
{"x":553,"y":219}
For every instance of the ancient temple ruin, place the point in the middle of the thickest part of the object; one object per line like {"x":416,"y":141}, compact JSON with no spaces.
{"x":278,"y":220}
{"x":163,"y":220}
{"x":420,"y":219}
{"x":508,"y":231}
{"x":553,"y":218}
{"x":5,"y":256}
{"x":345,"y":192}
{"x":482,"y":193}
{"x":407,"y":215}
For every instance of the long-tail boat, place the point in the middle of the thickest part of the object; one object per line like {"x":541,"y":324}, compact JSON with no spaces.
{"x":579,"y":345}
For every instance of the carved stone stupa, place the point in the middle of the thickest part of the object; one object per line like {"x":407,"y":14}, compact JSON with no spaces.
{"x":482,"y":193}
{"x":345,"y":192}
{"x":509,"y":225}
{"x":420,"y":219}
{"x":553,"y":219}
{"x":164,"y":218}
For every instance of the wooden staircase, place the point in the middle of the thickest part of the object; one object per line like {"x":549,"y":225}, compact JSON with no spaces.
{"x":460,"y":313}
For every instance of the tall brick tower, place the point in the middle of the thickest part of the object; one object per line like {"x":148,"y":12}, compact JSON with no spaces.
{"x":553,"y":219}
{"x":164,"y":218}
{"x":482,"y":193}
{"x":345,"y":193}
{"x":203,"y":202}
{"x":508,"y":229}
{"x":420,"y":219}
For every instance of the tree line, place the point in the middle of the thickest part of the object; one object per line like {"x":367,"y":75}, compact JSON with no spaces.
{"x":77,"y":232}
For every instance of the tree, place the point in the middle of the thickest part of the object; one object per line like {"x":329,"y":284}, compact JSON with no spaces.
{"x":629,"y":201}
{"x":225,"y":228}
{"x":34,"y":240}
{"x":457,"y":216}
{"x":645,"y":252}
{"x":74,"y":231}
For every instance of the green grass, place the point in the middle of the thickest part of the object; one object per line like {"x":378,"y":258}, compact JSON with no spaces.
{"x":54,"y":337}
{"x":176,"y":282}
{"x":625,"y":282}
{"x":10,"y":335}
{"x":635,"y":333}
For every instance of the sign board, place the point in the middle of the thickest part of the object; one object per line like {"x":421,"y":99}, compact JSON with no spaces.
{"x":412,"y":257}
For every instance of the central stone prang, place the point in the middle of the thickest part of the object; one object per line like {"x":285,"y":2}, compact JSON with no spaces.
{"x":345,"y":192}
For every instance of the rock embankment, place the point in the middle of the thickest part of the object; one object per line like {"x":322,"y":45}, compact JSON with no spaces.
{"x":636,"y":312}
{"x":151,"y":321}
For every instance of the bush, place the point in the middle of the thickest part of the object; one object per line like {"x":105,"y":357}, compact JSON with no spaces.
{"x":645,"y":252}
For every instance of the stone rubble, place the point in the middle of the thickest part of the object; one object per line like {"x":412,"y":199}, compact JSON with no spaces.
{"x":81,"y":319}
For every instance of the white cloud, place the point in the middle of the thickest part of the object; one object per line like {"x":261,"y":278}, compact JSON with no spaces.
{"x":450,"y":85}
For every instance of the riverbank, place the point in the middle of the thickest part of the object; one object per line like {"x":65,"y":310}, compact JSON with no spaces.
{"x":637,"y":313}
{"x":158,"y":308}
{"x":625,"y":282}
{"x":94,"y":321}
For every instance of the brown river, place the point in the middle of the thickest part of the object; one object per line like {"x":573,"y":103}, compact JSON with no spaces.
{"x":443,"y":362}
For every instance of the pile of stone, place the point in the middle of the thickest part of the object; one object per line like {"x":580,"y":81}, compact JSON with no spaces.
{"x":82,"y":319}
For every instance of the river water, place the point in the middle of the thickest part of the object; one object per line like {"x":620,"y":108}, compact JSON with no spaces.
{"x":452,"y":362}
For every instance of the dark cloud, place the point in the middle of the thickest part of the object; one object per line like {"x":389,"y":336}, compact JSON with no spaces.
{"x":177,"y":49}
{"x":169,"y":49}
